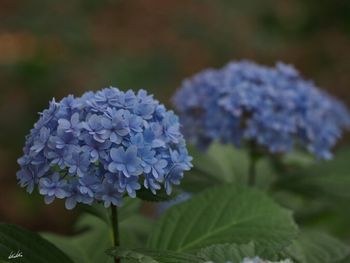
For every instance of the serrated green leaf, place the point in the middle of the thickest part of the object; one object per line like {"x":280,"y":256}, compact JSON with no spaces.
{"x":153,"y":256}
{"x":228,"y":252}
{"x":317,"y":189}
{"x":228,"y":157}
{"x":130,"y":255}
{"x":222,"y":164}
{"x":316,"y":247}
{"x":206,"y":172}
{"x":236,"y":253}
{"x":217,"y":161}
{"x":34,"y":248}
{"x":216,"y":164}
{"x":226,"y":214}
{"x":325,"y":180}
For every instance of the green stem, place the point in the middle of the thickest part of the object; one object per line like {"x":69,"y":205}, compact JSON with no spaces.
{"x":252,"y":171}
{"x":254,"y":156}
{"x":115,"y":229}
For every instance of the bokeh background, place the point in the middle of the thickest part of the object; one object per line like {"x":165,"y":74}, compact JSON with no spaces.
{"x":54,"y":48}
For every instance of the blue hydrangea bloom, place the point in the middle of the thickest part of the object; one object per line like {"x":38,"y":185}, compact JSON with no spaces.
{"x":103,"y":146}
{"x":274,"y":107}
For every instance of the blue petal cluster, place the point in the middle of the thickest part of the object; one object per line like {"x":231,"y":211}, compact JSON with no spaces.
{"x":274,"y":107}
{"x":102,"y":146}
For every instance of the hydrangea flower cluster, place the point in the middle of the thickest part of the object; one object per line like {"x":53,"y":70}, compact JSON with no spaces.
{"x":102,"y":146}
{"x":275,"y":107}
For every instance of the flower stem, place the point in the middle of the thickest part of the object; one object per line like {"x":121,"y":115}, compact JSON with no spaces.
{"x":254,"y":156}
{"x":115,"y":229}
{"x":252,"y":171}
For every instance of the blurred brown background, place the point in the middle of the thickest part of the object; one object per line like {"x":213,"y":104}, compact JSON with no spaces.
{"x":54,"y":48}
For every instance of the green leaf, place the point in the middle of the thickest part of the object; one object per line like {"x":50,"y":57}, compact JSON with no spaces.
{"x":97,"y":210}
{"x":90,"y":245}
{"x":34,"y":248}
{"x":206,"y":172}
{"x":309,"y":247}
{"x":317,"y":188}
{"x":325,"y":180}
{"x":70,"y":245}
{"x":130,"y":206}
{"x":222,"y":164}
{"x":236,"y":253}
{"x":299,"y":159}
{"x":95,"y":235}
{"x":153,"y":256}
{"x":135,"y":231}
{"x":316,"y":247}
{"x":226,"y":214}
{"x":228,"y":252}
{"x":218,"y":161}
{"x":215,"y":166}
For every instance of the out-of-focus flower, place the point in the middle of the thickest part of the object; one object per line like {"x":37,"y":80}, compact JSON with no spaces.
{"x":102,"y":146}
{"x":274,"y":107}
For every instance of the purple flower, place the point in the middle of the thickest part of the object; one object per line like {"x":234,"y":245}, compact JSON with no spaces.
{"x":116,"y":125}
{"x":41,"y":141}
{"x":145,"y":106}
{"x":88,"y":185}
{"x":58,"y":156}
{"x":97,"y":150}
{"x":172,"y":127}
{"x":79,"y":163}
{"x":272,"y":106}
{"x":53,"y":187}
{"x":75,"y":196}
{"x":128,"y":184}
{"x":102,"y":146}
{"x":151,"y":184}
{"x":109,"y":194}
{"x":30,"y":174}
{"x":95,"y":128}
{"x":108,"y":97}
{"x":71,"y":126}
{"x":63,"y":140}
{"x":125,"y":161}
{"x":135,"y":122}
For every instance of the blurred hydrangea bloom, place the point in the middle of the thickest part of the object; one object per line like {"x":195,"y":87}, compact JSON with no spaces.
{"x":102,"y":146}
{"x":275,"y":107}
